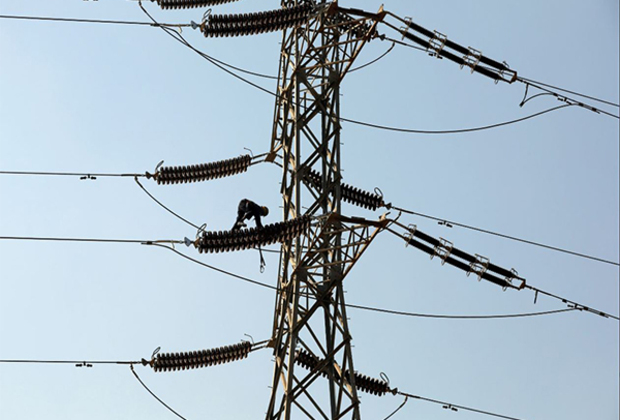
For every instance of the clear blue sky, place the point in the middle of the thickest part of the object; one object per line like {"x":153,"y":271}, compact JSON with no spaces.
{"x":103,"y":98}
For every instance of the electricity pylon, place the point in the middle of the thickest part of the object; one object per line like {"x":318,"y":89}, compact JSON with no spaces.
{"x":310,"y":315}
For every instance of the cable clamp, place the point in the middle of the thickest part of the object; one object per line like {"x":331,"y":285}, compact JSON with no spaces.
{"x":472,"y":59}
{"x":443,"y":250}
{"x":450,"y":407}
{"x":436,"y":44}
{"x":84,"y":364}
{"x":411,"y":229}
{"x":445,"y":223}
{"x":479,"y":266}
{"x":575,"y":306}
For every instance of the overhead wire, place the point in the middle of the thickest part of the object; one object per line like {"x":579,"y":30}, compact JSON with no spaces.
{"x":80,"y":20}
{"x":223,"y":66}
{"x":199,"y":228}
{"x":454,"y":131}
{"x":501,"y":235}
{"x":82,"y":174}
{"x":456,"y":407}
{"x":463,"y":317}
{"x":572,"y":304}
{"x":155,"y":396}
{"x":402,"y":43}
{"x":160,"y":243}
{"x":578,"y":306}
{"x":228,"y":273}
{"x":99,"y":240}
{"x":72,"y":362}
{"x":490,"y":71}
{"x":82,"y":363}
{"x":363,"y":66}
{"x":535,"y":82}
{"x":182,"y":40}
{"x":166,"y":208}
{"x":564,"y":99}
{"x":179,"y":38}
{"x":436,"y":218}
{"x":85,"y":175}
{"x":370,"y":308}
{"x":272,"y":77}
{"x":397,"y":409}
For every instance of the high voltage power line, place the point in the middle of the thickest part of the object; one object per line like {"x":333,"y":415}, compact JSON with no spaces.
{"x":443,"y":221}
{"x":160,"y":243}
{"x":532,"y":82}
{"x":135,"y":374}
{"x":572,"y":305}
{"x":222,"y":66}
{"x":89,"y":363}
{"x":83,"y":175}
{"x":80,"y":20}
{"x":226,"y":67}
{"x":447,"y":222}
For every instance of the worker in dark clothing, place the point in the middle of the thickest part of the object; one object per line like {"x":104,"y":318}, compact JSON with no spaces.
{"x":248,"y":209}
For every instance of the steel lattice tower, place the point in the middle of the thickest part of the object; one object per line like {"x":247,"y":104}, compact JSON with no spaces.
{"x":310,"y":317}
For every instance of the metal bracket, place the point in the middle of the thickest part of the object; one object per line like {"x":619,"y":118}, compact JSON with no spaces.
{"x":436,"y":43}
{"x":443,"y":250}
{"x":472,"y":59}
{"x":479,"y":266}
{"x":403,"y":29}
{"x":411,"y":229}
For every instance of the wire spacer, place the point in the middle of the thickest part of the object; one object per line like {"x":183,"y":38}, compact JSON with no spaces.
{"x":403,"y":29}
{"x":411,"y":229}
{"x":472,"y":58}
{"x":479,"y":266}
{"x":443,"y":250}
{"x":436,"y":44}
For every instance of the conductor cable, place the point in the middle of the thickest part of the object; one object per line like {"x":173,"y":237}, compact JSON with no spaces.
{"x":179,"y":38}
{"x":501,"y":235}
{"x":155,"y":396}
{"x":166,"y":208}
{"x":456,"y":407}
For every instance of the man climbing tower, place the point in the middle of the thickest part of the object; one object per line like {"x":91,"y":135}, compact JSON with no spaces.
{"x":248,"y":209}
